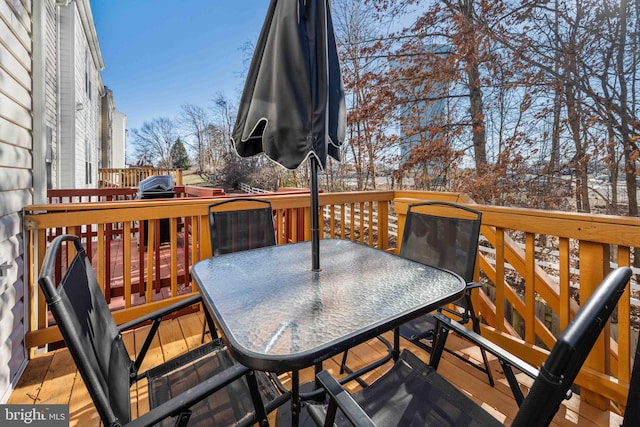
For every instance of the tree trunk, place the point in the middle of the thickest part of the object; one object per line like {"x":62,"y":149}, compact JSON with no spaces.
{"x":612,"y":165}
{"x":475,"y":94}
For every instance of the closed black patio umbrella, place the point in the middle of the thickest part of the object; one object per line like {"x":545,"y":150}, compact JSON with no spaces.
{"x":292,"y":107}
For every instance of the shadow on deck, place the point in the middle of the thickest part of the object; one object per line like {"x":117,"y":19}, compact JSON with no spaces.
{"x":51,"y":378}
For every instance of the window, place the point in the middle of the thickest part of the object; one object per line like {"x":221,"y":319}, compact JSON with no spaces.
{"x":87,"y":74}
{"x":88,"y":176}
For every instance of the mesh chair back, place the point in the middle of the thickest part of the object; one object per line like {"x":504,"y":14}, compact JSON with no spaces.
{"x":82,"y":314}
{"x":444,"y":235}
{"x":560,"y":369}
{"x":242,"y":228}
{"x":632,"y":410}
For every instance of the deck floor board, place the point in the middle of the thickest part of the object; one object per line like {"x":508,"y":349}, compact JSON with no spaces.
{"x":52,"y":377}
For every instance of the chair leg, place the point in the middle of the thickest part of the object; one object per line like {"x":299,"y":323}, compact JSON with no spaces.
{"x":204,"y":331}
{"x":396,"y":344}
{"x":345,"y":369}
{"x":356,"y":375}
{"x":254,"y":391}
{"x":438,"y":346}
{"x":476,"y":328}
{"x":343,"y":364}
{"x":208,"y":321}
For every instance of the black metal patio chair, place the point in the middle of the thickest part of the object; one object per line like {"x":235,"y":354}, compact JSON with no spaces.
{"x":204,"y":386}
{"x":632,"y":408}
{"x":413,"y":393}
{"x":243,"y":228}
{"x":445,"y":235}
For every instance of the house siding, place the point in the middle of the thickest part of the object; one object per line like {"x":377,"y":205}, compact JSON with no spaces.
{"x":80,"y":91}
{"x":106,"y":145}
{"x":82,"y":117}
{"x":51,"y":91}
{"x":46,"y":50}
{"x":16,"y":181}
{"x":67,"y":106}
{"x":119,"y":140}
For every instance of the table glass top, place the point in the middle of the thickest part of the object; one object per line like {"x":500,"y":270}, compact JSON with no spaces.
{"x":270,"y":304}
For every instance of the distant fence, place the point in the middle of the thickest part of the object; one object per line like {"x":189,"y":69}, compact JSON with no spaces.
{"x":131,"y":177}
{"x":252,"y":190}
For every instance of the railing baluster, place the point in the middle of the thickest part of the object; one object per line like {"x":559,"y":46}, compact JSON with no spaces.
{"x":370,"y":204}
{"x":332,"y":220}
{"x":499,"y":279}
{"x":530,"y":302}
{"x":624,"y":322}
{"x":564,"y":269}
{"x":173,"y":242}
{"x":352,"y":221}
{"x":126,"y":256}
{"x":101,"y":253}
{"x":151,"y":238}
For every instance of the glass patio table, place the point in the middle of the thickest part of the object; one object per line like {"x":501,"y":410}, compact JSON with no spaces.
{"x":277,"y":315}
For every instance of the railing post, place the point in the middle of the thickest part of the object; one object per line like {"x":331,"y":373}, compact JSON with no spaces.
{"x":594,"y":265}
{"x":401,"y":212}
{"x":383,"y":225}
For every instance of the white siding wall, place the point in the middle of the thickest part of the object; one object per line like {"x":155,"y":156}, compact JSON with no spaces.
{"x":51,"y":88}
{"x":119,"y":141}
{"x":83,"y":116}
{"x":66,"y":96}
{"x":79,"y":103}
{"x":16,"y":185}
{"x":107,"y":129}
{"x":51,"y":39}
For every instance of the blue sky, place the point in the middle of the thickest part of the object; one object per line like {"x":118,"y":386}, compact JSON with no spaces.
{"x":160,"y":54}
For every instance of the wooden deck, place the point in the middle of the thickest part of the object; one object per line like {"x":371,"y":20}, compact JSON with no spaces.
{"x":51,"y":378}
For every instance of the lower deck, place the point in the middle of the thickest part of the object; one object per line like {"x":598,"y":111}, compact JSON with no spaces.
{"x":52,"y":378}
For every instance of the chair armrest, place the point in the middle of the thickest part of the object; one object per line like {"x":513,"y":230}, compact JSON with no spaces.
{"x":183,"y":401}
{"x":490,"y":347}
{"x":155,"y":317}
{"x":473,"y":285}
{"x":157,"y":314}
{"x":340,"y":397}
{"x":507,"y":360}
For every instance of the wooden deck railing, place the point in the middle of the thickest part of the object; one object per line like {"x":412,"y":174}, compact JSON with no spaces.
{"x":131,"y":177}
{"x":513,"y":265}
{"x":112,"y":194}
{"x":584,"y":248}
{"x":142,"y":276}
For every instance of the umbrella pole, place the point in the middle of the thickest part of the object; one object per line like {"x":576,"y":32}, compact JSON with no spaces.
{"x":315,"y":228}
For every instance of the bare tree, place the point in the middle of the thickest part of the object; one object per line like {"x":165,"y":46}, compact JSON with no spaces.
{"x":358,"y":38}
{"x":196,"y":122}
{"x":223,"y":116}
{"x":219,"y":131}
{"x":591,"y":59}
{"x":441,"y":67}
{"x":154,"y":141}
